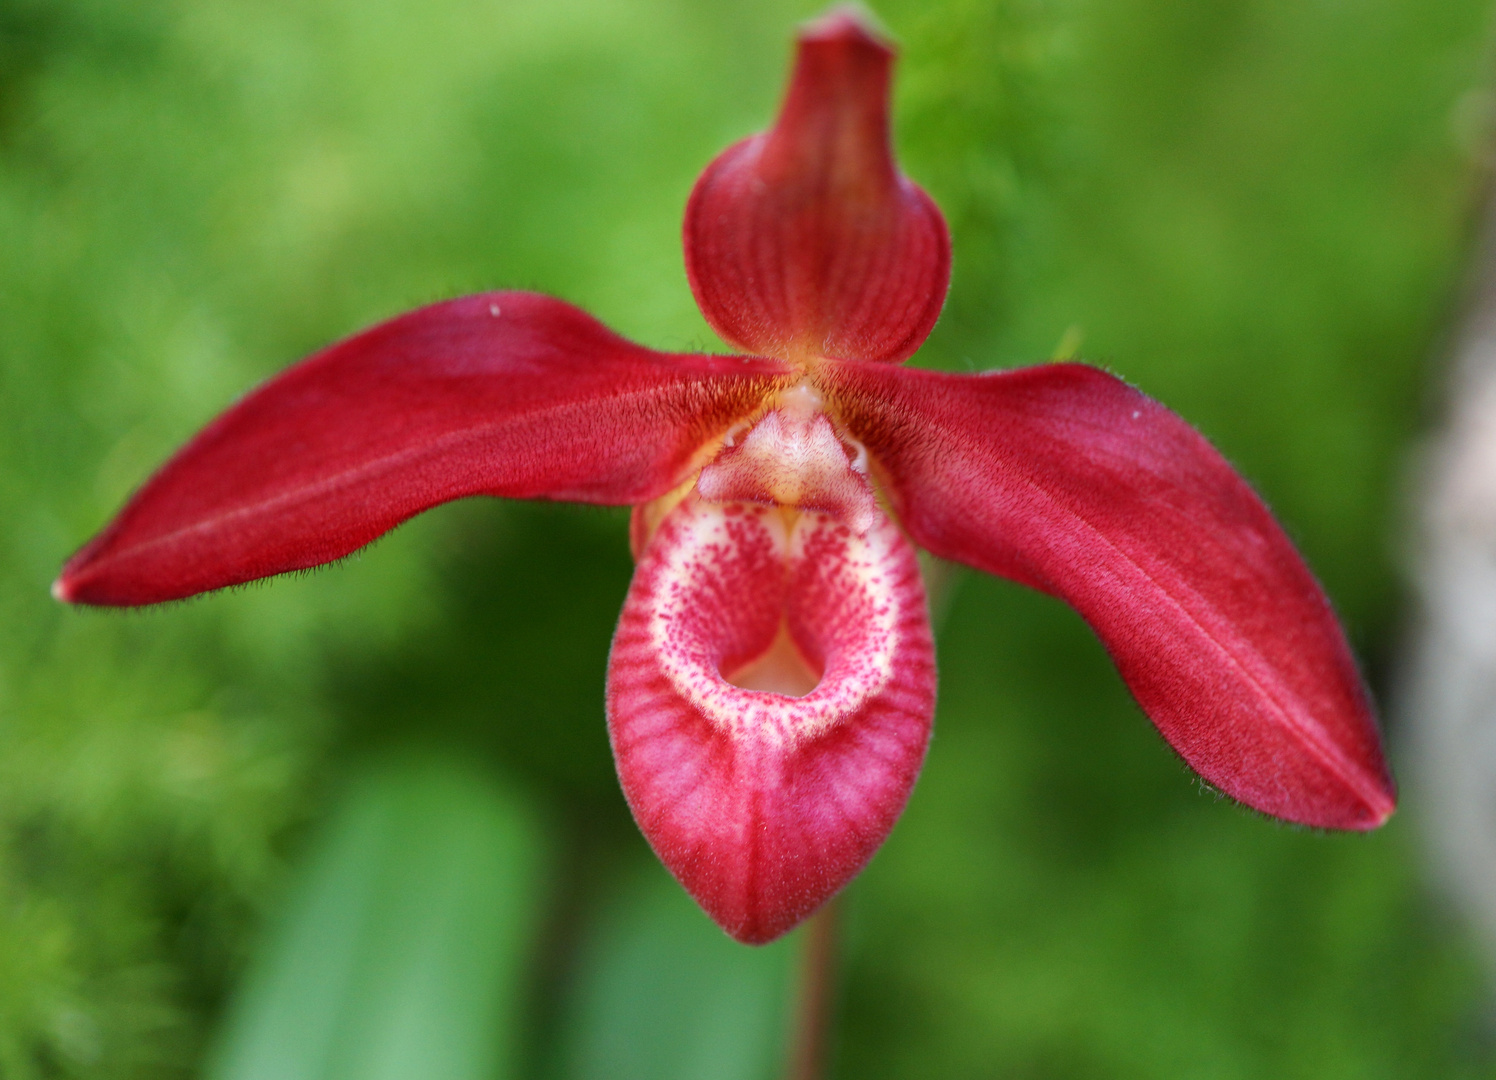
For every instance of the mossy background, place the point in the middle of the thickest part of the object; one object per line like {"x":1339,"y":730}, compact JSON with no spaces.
{"x":1257,"y":210}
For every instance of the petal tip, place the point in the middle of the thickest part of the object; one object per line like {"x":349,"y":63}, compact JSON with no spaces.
{"x":1379,"y":808}
{"x":62,"y":590}
{"x":766,"y":933}
{"x":1363,"y":808}
{"x":850,"y":23}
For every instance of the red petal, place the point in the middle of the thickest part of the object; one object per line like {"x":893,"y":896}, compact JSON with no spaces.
{"x":761,"y":803}
{"x":806,"y":240}
{"x":502,"y":393}
{"x":1066,"y":479}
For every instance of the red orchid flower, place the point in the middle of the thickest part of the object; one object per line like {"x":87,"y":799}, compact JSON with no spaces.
{"x":772,"y":681}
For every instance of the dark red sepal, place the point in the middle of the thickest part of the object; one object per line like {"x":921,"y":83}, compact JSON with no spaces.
{"x":806,"y":240}
{"x":1066,"y":479}
{"x":503,"y":393}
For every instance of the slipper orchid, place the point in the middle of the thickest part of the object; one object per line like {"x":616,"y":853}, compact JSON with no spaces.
{"x":772,"y":681}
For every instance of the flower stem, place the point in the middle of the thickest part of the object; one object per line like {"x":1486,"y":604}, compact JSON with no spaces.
{"x":816,"y":995}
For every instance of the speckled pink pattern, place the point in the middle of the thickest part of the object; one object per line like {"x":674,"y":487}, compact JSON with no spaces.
{"x":764,"y":805}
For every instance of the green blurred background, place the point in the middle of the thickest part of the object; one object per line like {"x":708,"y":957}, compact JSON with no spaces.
{"x":364,"y":823}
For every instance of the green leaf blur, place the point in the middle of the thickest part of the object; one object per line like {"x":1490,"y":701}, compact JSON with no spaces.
{"x":402,"y":952}
{"x":1256,"y":210}
{"x":662,"y":994}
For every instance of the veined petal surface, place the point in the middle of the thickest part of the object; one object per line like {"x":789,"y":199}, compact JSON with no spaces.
{"x":1066,"y":479}
{"x":807,"y":240}
{"x":503,"y":393}
{"x":762,"y":803}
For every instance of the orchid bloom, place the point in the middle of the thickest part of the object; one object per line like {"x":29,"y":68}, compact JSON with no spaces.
{"x":772,"y":680}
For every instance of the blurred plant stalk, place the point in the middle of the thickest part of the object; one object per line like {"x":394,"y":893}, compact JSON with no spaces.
{"x":815,"y":997}
{"x":1448,"y":700}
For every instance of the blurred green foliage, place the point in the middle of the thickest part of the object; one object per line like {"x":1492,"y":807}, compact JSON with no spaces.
{"x":1256,"y":210}
{"x":403,"y":949}
{"x":663,"y":994}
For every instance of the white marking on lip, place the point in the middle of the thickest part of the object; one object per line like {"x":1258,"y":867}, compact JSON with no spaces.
{"x":848,"y":595}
